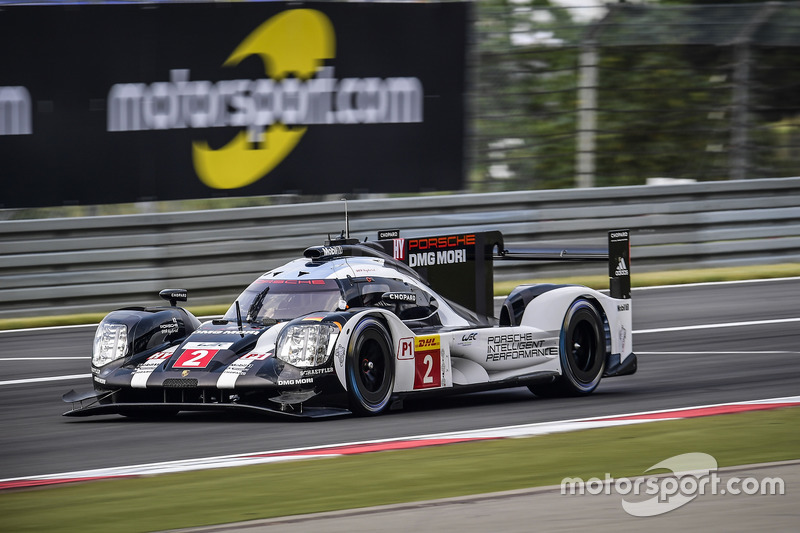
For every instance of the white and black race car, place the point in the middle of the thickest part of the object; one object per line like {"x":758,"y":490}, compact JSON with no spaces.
{"x":356,"y":327}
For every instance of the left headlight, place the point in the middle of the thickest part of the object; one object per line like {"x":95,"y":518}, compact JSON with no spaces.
{"x":307,"y":345}
{"x":110,"y":343}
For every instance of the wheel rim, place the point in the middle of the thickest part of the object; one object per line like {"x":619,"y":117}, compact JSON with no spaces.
{"x":584,"y":346}
{"x":372,"y":367}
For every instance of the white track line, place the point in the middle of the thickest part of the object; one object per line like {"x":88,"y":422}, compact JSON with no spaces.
{"x":40,"y":380}
{"x":723,"y":325}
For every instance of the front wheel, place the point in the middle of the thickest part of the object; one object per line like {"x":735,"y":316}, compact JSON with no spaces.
{"x":582,"y":351}
{"x":369,"y":369}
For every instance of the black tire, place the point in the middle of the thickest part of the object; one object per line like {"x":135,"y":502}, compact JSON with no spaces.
{"x":582,"y":350}
{"x":369,"y":368}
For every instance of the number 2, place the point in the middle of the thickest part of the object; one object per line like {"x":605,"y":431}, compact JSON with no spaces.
{"x":197,"y":360}
{"x":428,"y":362}
{"x":427,"y":369}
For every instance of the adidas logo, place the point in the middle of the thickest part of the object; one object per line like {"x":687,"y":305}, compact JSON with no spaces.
{"x":622,"y":268}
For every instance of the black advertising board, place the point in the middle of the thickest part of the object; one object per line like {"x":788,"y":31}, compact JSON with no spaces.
{"x":122,"y":103}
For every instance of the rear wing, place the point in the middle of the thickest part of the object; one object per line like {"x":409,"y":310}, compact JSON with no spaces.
{"x":618,"y":256}
{"x":461,"y":267}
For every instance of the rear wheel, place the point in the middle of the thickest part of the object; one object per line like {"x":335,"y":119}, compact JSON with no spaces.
{"x":370,"y":369}
{"x":582,"y":351}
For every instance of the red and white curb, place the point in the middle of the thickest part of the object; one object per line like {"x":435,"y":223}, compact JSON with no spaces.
{"x":420,"y":441}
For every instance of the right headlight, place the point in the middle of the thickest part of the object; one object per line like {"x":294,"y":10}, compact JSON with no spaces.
{"x":110,"y":343}
{"x":308,"y":344}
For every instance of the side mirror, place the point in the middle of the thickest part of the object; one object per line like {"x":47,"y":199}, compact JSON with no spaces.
{"x":174,"y":295}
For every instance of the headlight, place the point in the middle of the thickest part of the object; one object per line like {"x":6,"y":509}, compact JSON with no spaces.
{"x":306,"y":345}
{"x":110,"y":343}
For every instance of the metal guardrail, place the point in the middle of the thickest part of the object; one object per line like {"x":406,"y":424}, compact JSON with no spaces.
{"x":70,"y":265}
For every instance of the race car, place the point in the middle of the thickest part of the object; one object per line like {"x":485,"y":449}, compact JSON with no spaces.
{"x":356,"y":327}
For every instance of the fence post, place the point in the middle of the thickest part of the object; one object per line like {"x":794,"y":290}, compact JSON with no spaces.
{"x":587,"y":115}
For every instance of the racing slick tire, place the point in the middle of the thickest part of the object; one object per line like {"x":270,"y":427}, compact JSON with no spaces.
{"x":582,"y":351}
{"x":369,"y":368}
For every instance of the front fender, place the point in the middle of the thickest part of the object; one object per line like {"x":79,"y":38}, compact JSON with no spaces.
{"x":397,"y":330}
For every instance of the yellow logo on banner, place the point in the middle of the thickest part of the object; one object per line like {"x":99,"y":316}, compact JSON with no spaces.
{"x":293,"y":42}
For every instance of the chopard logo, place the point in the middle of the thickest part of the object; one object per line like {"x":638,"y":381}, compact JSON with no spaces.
{"x":274,"y":113}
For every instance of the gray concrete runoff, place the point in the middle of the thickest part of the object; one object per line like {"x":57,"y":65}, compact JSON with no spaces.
{"x":547,"y":509}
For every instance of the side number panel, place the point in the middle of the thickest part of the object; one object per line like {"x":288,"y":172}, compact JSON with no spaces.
{"x":427,"y":362}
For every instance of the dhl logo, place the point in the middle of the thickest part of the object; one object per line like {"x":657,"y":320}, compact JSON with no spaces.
{"x":427,"y":343}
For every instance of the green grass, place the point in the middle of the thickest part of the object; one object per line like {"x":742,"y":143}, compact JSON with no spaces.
{"x":646,"y":279}
{"x":248,"y":493}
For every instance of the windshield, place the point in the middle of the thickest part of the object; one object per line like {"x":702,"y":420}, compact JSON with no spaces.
{"x":286,"y":299}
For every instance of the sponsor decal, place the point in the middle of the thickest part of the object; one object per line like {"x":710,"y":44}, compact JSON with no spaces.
{"x":467,"y":339}
{"x":400,"y":297}
{"x":185,"y":373}
{"x":255,"y":356}
{"x":623,"y":335}
{"x":199,"y":354}
{"x":100,"y":380}
{"x":438,"y":243}
{"x":274,"y":112}
{"x":442,"y":257}
{"x":519,"y":346}
{"x":617,"y":236}
{"x":240,"y":367}
{"x":388,"y":234}
{"x":340,"y":353}
{"x":143,"y":371}
{"x":15,"y":111}
{"x":299,"y":381}
{"x":432,"y":251}
{"x":316,"y":372}
{"x":169,"y":327}
{"x":405,"y":349}
{"x":327,"y":251}
{"x":427,"y":362}
{"x":622,"y":268}
{"x":399,"y":246}
{"x":623,"y":307}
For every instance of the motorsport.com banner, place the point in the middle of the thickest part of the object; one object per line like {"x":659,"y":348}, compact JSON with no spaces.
{"x":124,"y":103}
